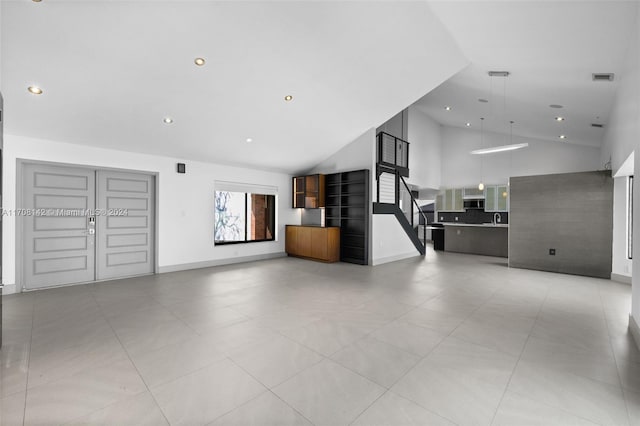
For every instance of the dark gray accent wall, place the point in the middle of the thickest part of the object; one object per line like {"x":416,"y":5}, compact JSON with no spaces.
{"x":571,"y":213}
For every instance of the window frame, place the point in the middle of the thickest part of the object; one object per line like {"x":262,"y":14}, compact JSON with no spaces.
{"x":630,"y":217}
{"x":246,"y":217}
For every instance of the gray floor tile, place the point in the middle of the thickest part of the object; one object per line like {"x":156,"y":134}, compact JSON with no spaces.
{"x":392,"y":409}
{"x":265,"y":410}
{"x":379,"y":362}
{"x":204,"y":395}
{"x":329,"y":394}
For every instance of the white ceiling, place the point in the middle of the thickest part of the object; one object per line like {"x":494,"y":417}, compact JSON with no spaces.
{"x":551,"y":49}
{"x":112,"y":70}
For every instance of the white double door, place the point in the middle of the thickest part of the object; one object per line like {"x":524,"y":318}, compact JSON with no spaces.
{"x":82,"y":225}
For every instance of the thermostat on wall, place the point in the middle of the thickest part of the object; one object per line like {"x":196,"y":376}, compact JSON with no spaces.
{"x":182,"y":168}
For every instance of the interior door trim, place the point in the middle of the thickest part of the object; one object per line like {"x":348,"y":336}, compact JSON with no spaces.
{"x":19,"y":223}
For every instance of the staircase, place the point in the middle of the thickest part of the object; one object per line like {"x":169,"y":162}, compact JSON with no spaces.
{"x":393,"y":194}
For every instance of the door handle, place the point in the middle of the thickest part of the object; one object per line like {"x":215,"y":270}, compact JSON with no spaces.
{"x":90,"y":231}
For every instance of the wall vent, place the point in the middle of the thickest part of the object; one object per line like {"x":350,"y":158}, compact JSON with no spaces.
{"x":604,"y":76}
{"x":599,"y":126}
{"x":499,"y":73}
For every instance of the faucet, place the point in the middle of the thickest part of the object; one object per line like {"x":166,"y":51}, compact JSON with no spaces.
{"x":496,"y":218}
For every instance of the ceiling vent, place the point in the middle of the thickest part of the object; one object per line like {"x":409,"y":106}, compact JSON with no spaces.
{"x":606,"y":76}
{"x":599,"y":126}
{"x":498,"y":73}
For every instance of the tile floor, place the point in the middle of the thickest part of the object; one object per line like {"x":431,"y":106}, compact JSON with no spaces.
{"x":441,"y":340}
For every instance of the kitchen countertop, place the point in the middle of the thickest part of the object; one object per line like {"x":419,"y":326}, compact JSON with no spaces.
{"x":481,"y":225}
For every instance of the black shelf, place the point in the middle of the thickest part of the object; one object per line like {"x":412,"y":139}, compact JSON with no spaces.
{"x":349,"y":197}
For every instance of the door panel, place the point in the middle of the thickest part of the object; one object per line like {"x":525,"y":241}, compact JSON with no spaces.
{"x":125,"y":224}
{"x":57,"y":246}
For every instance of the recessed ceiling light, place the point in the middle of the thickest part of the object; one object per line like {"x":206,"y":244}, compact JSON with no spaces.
{"x":559,"y":118}
{"x":468,"y":124}
{"x":168,"y":120}
{"x":35,"y":90}
{"x":484,"y":101}
{"x":288,"y":98}
{"x":447,"y":108}
{"x":249,"y":140}
{"x":199,"y":61}
{"x":555,"y":106}
{"x":563,"y":136}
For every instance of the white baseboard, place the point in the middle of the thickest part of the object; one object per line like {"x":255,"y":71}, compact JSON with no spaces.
{"x":619,"y":278}
{"x":218,"y":262}
{"x":635,"y":330}
{"x":8,"y":289}
{"x":395,"y":258}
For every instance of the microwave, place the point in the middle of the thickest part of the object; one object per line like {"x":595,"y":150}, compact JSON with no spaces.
{"x":474,"y":204}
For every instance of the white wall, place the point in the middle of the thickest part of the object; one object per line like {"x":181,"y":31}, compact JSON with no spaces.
{"x":425,"y":149}
{"x":623,"y":128}
{"x":357,"y":155}
{"x":635,"y":279}
{"x":460,"y":168}
{"x":391,"y":243}
{"x":622,"y":138}
{"x":621,"y":265}
{"x":185,"y":201}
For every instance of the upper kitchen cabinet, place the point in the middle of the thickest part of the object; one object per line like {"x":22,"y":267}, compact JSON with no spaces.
{"x":308,"y":192}
{"x":450,"y":201}
{"x":496,"y":198}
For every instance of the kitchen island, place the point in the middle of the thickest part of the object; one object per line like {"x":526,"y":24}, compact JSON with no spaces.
{"x":485,"y":239}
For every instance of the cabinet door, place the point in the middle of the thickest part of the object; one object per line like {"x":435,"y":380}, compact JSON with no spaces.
{"x":490,"y":198}
{"x":319,"y":243}
{"x":448,"y":200}
{"x":298,"y":192}
{"x":321,"y":201}
{"x":291,"y":240}
{"x":458,"y":205}
{"x":503,"y":198}
{"x":440,"y":202}
{"x":311,"y":192}
{"x":304,"y":241}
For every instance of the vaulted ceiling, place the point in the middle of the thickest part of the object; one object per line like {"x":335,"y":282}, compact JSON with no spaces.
{"x":112,"y":71}
{"x":551,"y":49}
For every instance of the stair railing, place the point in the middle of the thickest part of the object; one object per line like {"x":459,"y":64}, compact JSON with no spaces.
{"x":393,"y":189}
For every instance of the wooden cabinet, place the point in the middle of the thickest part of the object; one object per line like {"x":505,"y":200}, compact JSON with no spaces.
{"x":313,"y":242}
{"x":308,"y":192}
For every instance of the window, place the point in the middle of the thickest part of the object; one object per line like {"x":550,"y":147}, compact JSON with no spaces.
{"x":630,"y":219}
{"x":242,"y":217}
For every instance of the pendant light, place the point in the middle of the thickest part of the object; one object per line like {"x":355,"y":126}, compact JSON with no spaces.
{"x":511,"y":146}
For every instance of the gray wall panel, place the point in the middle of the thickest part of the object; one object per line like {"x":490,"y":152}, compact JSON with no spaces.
{"x":572,"y":213}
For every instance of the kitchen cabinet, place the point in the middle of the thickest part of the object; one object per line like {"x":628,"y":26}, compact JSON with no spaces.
{"x":309,"y":191}
{"x":440,"y":202}
{"x":473,"y":193}
{"x":496,"y":198}
{"x":313,"y":242}
{"x":450,"y":201}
